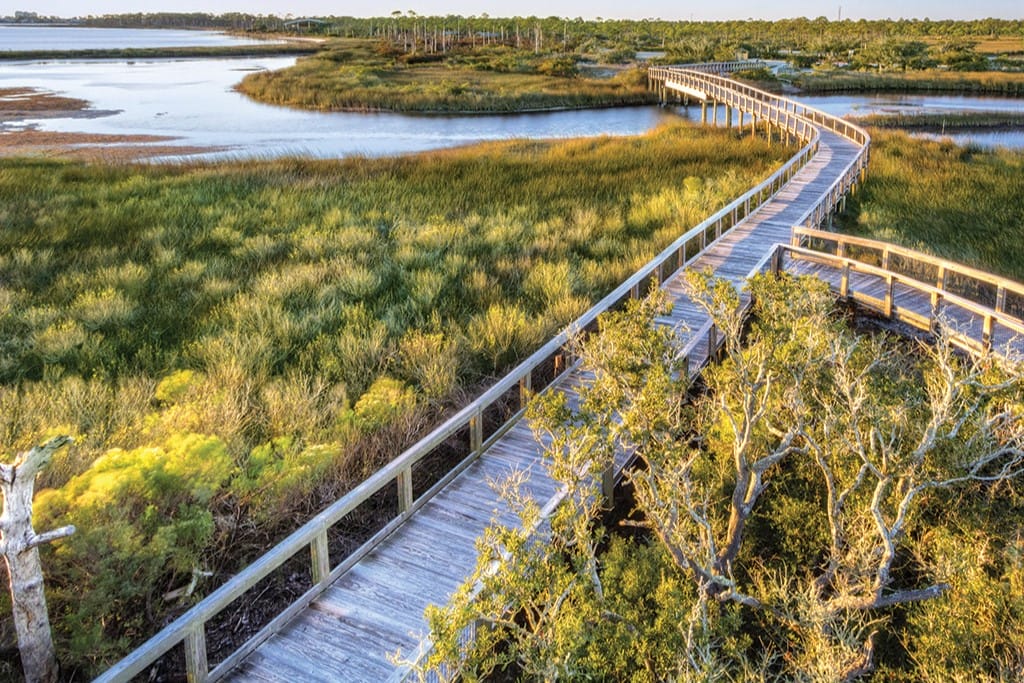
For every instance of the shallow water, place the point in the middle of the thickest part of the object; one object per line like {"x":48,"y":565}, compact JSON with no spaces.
{"x":193,"y":100}
{"x":19,"y":37}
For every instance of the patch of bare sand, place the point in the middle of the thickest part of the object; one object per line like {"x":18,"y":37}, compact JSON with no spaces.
{"x":17,"y":140}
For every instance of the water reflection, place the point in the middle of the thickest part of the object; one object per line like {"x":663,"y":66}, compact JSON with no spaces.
{"x":20,"y":37}
{"x":194,"y":101}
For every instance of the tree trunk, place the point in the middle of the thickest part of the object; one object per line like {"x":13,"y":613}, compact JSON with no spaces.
{"x":19,"y":545}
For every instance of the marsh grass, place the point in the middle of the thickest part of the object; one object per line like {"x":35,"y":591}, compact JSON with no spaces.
{"x":944,"y":120}
{"x":961,"y":203}
{"x":308,"y":318}
{"x":195,"y":52}
{"x":995,"y":82}
{"x":354,"y":77}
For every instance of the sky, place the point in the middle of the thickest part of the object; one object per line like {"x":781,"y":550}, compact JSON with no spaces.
{"x":588,"y":9}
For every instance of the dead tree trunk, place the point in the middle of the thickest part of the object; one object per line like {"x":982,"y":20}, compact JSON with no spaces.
{"x":19,"y":545}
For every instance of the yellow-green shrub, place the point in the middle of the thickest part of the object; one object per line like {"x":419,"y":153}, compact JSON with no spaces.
{"x":143,"y":522}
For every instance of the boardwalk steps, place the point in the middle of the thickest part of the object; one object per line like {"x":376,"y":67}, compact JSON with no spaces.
{"x":362,"y":610}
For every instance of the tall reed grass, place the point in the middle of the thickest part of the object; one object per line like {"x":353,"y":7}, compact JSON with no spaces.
{"x":995,"y":82}
{"x":959,"y":202}
{"x":307,"y":318}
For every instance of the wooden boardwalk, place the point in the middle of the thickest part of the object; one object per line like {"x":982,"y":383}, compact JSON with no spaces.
{"x":362,"y":616}
{"x":376,"y":609}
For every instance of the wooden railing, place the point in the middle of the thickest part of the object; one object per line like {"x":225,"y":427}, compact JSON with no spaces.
{"x":903,"y":293}
{"x":719,"y":68}
{"x":397,"y":478}
{"x":787,"y":115}
{"x":947,"y":277}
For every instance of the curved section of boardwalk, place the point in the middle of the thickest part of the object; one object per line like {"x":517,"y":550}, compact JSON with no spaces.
{"x":359,"y":614}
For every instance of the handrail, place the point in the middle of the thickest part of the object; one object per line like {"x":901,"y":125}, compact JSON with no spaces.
{"x":766,"y":105}
{"x":944,"y":268}
{"x":189,"y":629}
{"x":990,"y":316}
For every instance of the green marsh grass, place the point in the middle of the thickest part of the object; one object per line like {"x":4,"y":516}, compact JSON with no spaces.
{"x":960,"y":203}
{"x":945,"y":120}
{"x":495,"y":80}
{"x":307,"y":318}
{"x":994,"y":82}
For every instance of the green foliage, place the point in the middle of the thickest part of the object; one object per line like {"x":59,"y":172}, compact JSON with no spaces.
{"x":144,"y":522}
{"x":385,"y":400}
{"x":799,"y":508}
{"x":468,"y":79}
{"x":501,"y":333}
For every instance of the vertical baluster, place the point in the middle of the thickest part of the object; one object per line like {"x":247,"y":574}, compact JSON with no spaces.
{"x":197,"y":669}
{"x":476,"y":433}
{"x":525,"y":389}
{"x":320,"y":557}
{"x":404,"y":483}
{"x":889,"y":284}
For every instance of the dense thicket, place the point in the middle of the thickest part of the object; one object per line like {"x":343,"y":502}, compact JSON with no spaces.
{"x":827,"y":505}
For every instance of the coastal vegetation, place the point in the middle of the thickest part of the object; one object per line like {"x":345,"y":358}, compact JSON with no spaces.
{"x":360,"y":75}
{"x":232,"y":345}
{"x":944,"y":121}
{"x":989,"y":82}
{"x":961,"y":203}
{"x":828,"y":503}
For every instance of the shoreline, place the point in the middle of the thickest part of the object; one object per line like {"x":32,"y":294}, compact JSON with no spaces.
{"x":18,"y":139}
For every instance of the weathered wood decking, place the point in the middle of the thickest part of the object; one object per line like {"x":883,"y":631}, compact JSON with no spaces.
{"x":376,"y":608}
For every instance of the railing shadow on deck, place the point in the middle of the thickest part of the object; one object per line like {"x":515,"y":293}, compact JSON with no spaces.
{"x":397,"y":478}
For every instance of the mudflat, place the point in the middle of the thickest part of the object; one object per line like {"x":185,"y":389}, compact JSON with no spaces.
{"x":18,"y":138}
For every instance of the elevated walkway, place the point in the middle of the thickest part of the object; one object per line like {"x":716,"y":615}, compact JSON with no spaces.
{"x":359,"y":613}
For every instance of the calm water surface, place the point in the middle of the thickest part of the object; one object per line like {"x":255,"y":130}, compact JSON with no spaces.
{"x":20,"y":37}
{"x":193,"y":100}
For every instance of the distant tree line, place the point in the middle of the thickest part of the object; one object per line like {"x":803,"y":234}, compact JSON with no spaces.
{"x":760,"y":37}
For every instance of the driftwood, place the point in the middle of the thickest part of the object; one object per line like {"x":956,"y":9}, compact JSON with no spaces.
{"x":19,"y":545}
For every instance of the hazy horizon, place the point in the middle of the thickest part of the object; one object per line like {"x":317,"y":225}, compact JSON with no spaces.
{"x":587,"y":9}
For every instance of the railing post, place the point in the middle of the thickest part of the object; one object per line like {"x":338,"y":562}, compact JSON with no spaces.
{"x":889,"y":284}
{"x":986,"y":333}
{"x":197,"y":669}
{"x":1001,"y":299}
{"x":940,"y":284}
{"x":712,"y":342}
{"x":608,"y":485}
{"x":404,"y":483}
{"x":320,"y":557}
{"x":844,"y":283}
{"x":525,"y":389}
{"x":476,"y":433}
